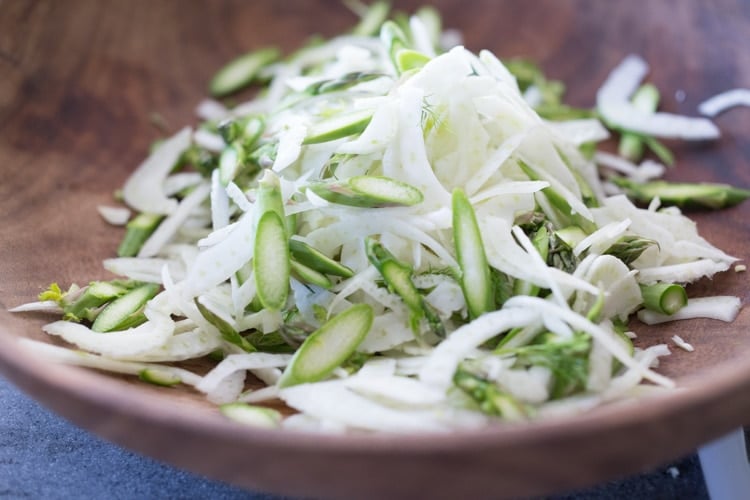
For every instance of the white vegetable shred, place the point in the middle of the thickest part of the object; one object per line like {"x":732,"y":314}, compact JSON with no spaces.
{"x":317,"y":242}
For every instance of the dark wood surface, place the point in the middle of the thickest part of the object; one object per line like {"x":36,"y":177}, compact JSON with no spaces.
{"x":79,"y":81}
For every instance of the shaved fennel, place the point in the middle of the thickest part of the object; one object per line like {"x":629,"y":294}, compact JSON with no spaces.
{"x":397,"y":237}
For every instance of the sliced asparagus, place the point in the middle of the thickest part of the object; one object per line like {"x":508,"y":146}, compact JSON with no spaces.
{"x":247,"y":129}
{"x":328,"y":347}
{"x":368,"y":191}
{"x":268,"y":195}
{"x":338,"y":126}
{"x":254,"y":416}
{"x":309,"y":275}
{"x":315,"y":259}
{"x":226,"y":330}
{"x":475,"y":271}
{"x":271,"y":264}
{"x":489,"y":397}
{"x":665,"y":298}
{"x":395,"y":40}
{"x":79,"y":304}
{"x":398,"y":278}
{"x":241,"y":71}
{"x":137,"y":232}
{"x":684,"y":194}
{"x":540,"y":240}
{"x":229,"y":164}
{"x":159,"y":377}
{"x":125,"y":311}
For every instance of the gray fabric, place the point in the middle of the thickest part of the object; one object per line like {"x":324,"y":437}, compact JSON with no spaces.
{"x":43,"y":456}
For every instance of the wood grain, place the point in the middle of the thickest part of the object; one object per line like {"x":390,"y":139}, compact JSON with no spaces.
{"x":80,"y":79}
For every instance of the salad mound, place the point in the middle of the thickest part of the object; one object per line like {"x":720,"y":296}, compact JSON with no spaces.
{"x":399,"y":235}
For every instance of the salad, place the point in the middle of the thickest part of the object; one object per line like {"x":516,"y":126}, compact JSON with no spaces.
{"x":398,"y":234}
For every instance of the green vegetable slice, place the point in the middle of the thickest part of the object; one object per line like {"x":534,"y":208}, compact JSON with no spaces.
{"x":338,"y":126}
{"x":315,"y":259}
{"x":408,"y":59}
{"x":665,"y":298}
{"x":87,"y":305}
{"x":254,"y":416}
{"x":229,"y":164}
{"x":489,"y":397}
{"x":368,"y":191}
{"x":328,"y":347}
{"x":395,"y":40}
{"x":241,"y":71}
{"x":269,"y":195}
{"x":476,"y":282}
{"x":308,"y":275}
{"x":684,"y":194}
{"x":137,"y":232}
{"x":271,"y":261}
{"x":125,"y":311}
{"x":159,"y":377}
{"x":226,"y":330}
{"x":540,"y":240}
{"x":397,"y":276}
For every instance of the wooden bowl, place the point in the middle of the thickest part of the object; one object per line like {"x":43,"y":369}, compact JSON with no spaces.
{"x":80,"y":83}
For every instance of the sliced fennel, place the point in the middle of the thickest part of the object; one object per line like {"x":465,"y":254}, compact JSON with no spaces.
{"x":396,"y":237}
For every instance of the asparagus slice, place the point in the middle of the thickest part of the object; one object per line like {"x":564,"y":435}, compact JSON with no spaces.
{"x":476,"y":282}
{"x":397,"y":276}
{"x":254,"y":416}
{"x":338,"y":126}
{"x":368,"y":191}
{"x":241,"y":71}
{"x":315,"y":259}
{"x":247,"y":129}
{"x":665,"y":298}
{"x":137,"y":232}
{"x":271,"y":264}
{"x":326,"y":86}
{"x":489,"y":397}
{"x":328,"y":347}
{"x":83,"y":304}
{"x":226,"y":330}
{"x":309,"y":275}
{"x":159,"y":377}
{"x":268,"y":195}
{"x":229,"y":164}
{"x":540,"y":240}
{"x":684,"y":194}
{"x":125,"y":311}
